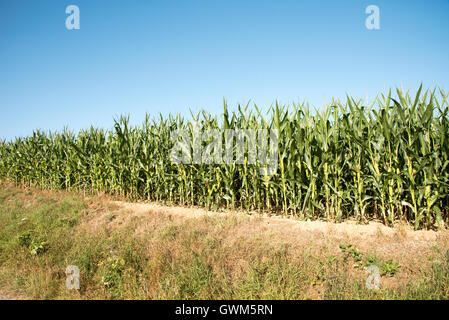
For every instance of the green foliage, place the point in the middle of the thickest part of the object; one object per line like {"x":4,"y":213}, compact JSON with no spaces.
{"x":29,"y":240}
{"x":351,"y":252}
{"x":38,"y":247}
{"x":25,"y":238}
{"x":112,"y":269}
{"x":389,"y":268}
{"x":387,"y":161}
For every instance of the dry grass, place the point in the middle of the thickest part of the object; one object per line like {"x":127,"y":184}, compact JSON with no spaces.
{"x":174,"y":252}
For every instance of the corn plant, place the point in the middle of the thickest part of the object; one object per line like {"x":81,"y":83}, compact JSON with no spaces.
{"x":387,"y":161}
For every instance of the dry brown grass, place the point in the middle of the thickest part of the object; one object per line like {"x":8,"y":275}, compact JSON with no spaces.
{"x":233,"y":245}
{"x":238,"y":233}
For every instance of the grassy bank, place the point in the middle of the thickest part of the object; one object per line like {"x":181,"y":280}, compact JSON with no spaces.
{"x":156,"y":253}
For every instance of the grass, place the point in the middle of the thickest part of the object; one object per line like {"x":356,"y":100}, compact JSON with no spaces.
{"x":122,"y":255}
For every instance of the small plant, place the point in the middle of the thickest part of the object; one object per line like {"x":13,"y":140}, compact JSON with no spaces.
{"x":38,"y":247}
{"x":25,"y":238}
{"x":350,"y":251}
{"x":389,"y":268}
{"x":356,"y":255}
{"x":345,"y":247}
{"x":386,"y":267}
{"x":371,"y":260}
{"x":112,"y":271}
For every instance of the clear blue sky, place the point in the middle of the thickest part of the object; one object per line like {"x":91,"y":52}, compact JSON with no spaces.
{"x":133,"y":57}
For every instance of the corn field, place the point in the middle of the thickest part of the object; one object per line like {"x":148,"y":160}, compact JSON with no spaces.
{"x":387,"y":161}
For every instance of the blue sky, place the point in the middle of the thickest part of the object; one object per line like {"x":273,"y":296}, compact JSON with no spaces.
{"x":132,"y":57}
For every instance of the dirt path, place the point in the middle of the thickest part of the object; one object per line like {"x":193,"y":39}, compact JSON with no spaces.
{"x":400,"y":242}
{"x":276,"y":223}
